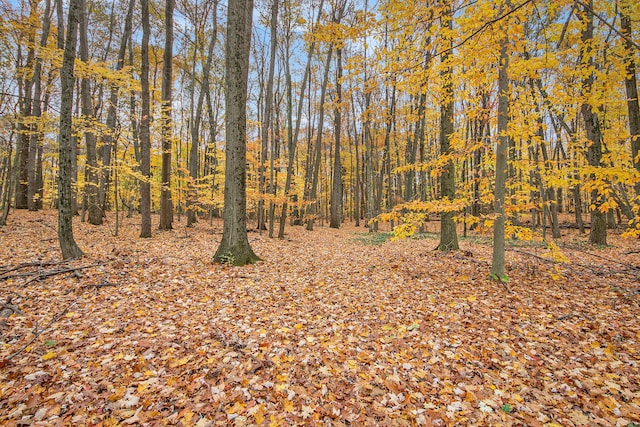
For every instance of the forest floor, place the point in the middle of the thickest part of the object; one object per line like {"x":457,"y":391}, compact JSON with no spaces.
{"x":335,"y":327}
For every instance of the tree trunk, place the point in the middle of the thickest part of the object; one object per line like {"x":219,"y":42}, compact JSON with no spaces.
{"x":293,"y":140}
{"x":598,"y":232}
{"x":68,"y":244}
{"x":107,"y":139}
{"x":234,"y":247}
{"x":166,"y":204}
{"x":24,"y":168}
{"x":312,"y":207}
{"x":336,"y":189}
{"x":497,"y":263}
{"x":631,"y":88}
{"x":36,"y":112}
{"x":448,"y":234}
{"x":91,"y":170}
{"x":195,"y":127}
{"x":266,"y":119}
{"x":145,"y":137}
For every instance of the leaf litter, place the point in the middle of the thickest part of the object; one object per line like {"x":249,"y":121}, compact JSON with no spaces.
{"x":327,"y":330}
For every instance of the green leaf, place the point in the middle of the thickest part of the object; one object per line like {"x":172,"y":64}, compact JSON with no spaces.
{"x":49,"y":343}
{"x":507,"y":408}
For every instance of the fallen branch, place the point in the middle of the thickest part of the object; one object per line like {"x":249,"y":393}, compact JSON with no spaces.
{"x":41,"y":331}
{"x":61,"y":271}
{"x":533,"y":255}
{"x":8,"y":309}
{"x":99,"y":285}
{"x":26,"y":265}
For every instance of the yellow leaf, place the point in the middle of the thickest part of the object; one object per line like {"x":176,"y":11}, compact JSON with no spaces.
{"x":287,"y":405}
{"x":595,"y":344}
{"x":298,"y":326}
{"x":609,"y":350}
{"x":259,"y":415}
{"x":352,"y":364}
{"x":49,"y":355}
{"x":187,"y":416}
{"x":273,"y":421}
{"x":70,"y":314}
{"x":236,"y":408}
{"x":471,"y":298}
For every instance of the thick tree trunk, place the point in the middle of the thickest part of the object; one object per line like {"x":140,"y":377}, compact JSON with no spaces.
{"x":145,"y":137}
{"x":598,"y":232}
{"x":166,"y":204}
{"x":448,"y":234}
{"x":68,"y":244}
{"x":234,"y":247}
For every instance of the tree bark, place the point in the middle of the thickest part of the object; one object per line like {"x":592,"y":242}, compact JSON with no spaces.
{"x":631,"y":87}
{"x":107,"y":139}
{"x":497,"y":262}
{"x":293,"y":140}
{"x":312,"y":207}
{"x":166,"y":204}
{"x":145,"y":137}
{"x":336,"y":190}
{"x":234,"y":247}
{"x":36,"y":111}
{"x":195,"y":128}
{"x":598,"y":232}
{"x":91,"y":169}
{"x":448,"y":234}
{"x":68,"y":244}
{"x":266,"y":119}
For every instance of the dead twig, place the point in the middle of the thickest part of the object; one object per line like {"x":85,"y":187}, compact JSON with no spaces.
{"x":8,"y":309}
{"x":99,"y":285}
{"x":533,"y":255}
{"x":61,"y":271}
{"x":3,"y":275}
{"x":41,"y":331}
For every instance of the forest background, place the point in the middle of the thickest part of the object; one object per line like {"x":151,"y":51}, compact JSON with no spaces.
{"x":464,"y":119}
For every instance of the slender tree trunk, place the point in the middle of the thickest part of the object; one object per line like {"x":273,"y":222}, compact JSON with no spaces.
{"x":36,"y":112}
{"x":266,"y":119}
{"x":293,"y":141}
{"x":356,"y":189}
{"x":633,"y":109}
{"x":234,"y":247}
{"x":312,"y":207}
{"x":91,"y":170}
{"x":195,"y":128}
{"x":145,"y":137}
{"x":166,"y":204}
{"x":107,"y":140}
{"x":68,"y":244}
{"x":25,"y":104}
{"x":497,"y":264}
{"x":336,"y":189}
